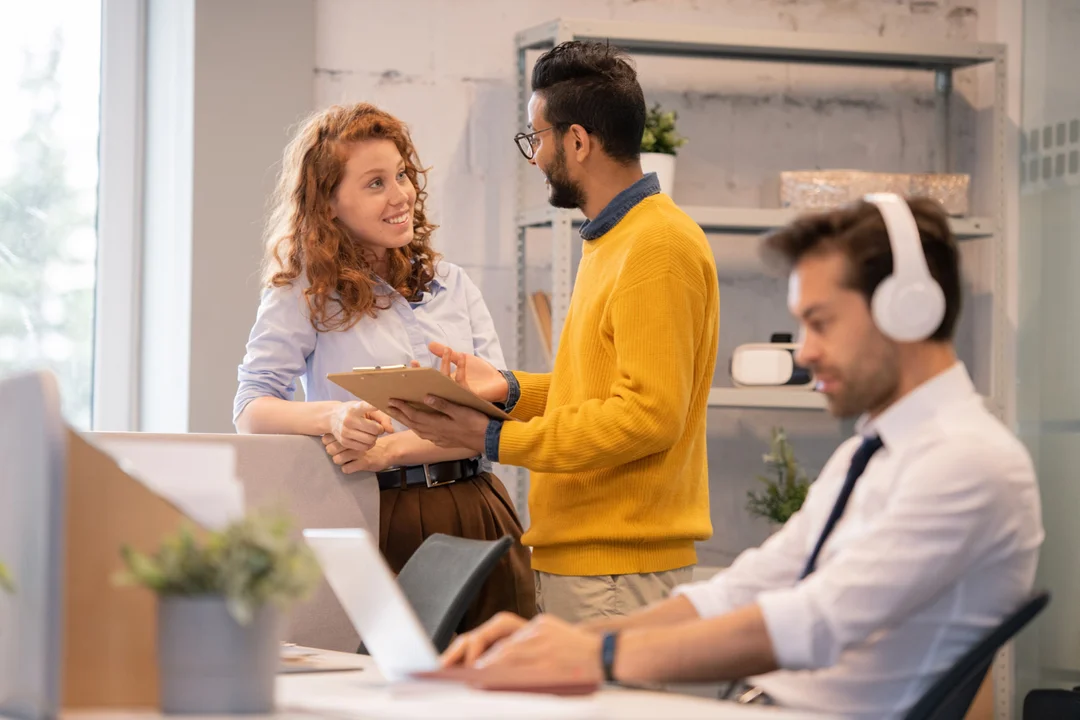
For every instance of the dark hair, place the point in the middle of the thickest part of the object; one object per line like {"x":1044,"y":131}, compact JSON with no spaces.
{"x":594,"y":85}
{"x":858,"y":231}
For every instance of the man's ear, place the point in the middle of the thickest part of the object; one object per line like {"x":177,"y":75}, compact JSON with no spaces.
{"x":583,"y":142}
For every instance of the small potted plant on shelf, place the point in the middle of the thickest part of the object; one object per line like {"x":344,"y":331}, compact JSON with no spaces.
{"x":219,"y":603}
{"x":785,"y":486}
{"x":658,"y":145}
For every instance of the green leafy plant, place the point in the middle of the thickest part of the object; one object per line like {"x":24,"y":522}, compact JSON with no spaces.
{"x":251,"y":562}
{"x":660,"y":135}
{"x":785,"y":486}
{"x":6,"y":583}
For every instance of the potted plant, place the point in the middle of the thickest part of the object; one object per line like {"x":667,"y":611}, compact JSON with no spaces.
{"x":658,"y":145}
{"x":219,"y":605}
{"x":785,"y":486}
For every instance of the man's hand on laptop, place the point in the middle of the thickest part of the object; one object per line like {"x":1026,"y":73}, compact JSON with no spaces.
{"x":468,"y":647}
{"x":482,"y":377}
{"x":545,"y":645}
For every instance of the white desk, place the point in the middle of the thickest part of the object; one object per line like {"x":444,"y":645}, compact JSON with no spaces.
{"x":364,"y":694}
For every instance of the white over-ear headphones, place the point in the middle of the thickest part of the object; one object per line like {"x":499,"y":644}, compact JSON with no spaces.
{"x":908,"y":305}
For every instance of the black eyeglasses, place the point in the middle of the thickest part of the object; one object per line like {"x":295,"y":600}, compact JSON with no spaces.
{"x":528,"y":142}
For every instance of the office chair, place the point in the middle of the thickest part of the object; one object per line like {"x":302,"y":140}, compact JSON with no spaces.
{"x":1052,"y":703}
{"x":443,"y":577}
{"x":950,"y":697}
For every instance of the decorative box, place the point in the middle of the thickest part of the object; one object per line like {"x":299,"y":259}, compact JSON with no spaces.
{"x":824,"y":189}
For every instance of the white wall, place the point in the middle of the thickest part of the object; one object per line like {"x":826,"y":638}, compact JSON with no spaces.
{"x":226,"y":80}
{"x":447,"y":68}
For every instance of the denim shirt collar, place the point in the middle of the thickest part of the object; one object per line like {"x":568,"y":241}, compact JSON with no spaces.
{"x":621,"y":204}
{"x":383,"y":289}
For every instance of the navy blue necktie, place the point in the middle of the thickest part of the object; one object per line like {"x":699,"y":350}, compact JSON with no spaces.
{"x":859,"y":460}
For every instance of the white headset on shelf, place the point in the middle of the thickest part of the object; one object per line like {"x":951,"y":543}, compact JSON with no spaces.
{"x":909,"y":304}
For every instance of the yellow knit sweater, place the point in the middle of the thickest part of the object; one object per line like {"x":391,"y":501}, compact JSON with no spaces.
{"x":615,"y":436}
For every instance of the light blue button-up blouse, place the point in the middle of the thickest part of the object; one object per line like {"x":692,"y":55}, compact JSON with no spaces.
{"x":284,"y":346}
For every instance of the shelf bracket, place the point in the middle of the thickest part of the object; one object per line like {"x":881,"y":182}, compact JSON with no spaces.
{"x":943,"y":84}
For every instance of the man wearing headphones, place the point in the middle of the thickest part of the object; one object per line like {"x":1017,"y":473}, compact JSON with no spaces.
{"x":920,"y":535}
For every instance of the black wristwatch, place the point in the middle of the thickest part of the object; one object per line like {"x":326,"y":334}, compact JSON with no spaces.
{"x":607,"y":655}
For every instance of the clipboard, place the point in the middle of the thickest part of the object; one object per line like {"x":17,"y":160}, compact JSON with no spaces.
{"x":380,"y":385}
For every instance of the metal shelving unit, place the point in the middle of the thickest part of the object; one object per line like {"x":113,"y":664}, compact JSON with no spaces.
{"x":766,"y":398}
{"x":744,"y":220}
{"x":941,"y":57}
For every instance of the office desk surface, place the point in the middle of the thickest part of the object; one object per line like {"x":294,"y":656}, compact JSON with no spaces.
{"x":364,"y":694}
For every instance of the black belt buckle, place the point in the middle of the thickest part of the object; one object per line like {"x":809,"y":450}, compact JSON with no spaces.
{"x":431,"y":482}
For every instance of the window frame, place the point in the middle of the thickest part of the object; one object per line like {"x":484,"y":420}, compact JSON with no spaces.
{"x":121,"y":153}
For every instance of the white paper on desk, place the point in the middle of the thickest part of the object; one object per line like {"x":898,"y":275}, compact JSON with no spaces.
{"x":198,"y":478}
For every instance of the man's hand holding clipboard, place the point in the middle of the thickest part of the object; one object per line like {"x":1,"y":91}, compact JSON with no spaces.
{"x":454,"y":425}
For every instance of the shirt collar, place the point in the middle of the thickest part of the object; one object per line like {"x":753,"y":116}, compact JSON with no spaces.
{"x":383,"y":288}
{"x":903,"y":419}
{"x":621,"y":204}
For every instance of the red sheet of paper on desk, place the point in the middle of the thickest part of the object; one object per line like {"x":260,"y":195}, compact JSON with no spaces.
{"x":512,"y":681}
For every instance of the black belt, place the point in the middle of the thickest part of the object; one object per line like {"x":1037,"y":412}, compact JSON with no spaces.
{"x":443,"y":473}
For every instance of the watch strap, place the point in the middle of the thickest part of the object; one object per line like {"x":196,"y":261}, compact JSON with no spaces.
{"x":607,"y":655}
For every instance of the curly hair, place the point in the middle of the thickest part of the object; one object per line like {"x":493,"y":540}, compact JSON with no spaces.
{"x":302,"y":236}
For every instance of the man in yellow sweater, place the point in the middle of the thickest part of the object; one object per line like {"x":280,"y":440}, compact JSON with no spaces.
{"x":615,"y":435}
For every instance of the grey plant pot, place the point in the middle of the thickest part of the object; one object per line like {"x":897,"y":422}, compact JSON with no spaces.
{"x":210,"y":664}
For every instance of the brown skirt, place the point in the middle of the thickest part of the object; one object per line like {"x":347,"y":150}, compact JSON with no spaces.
{"x":479,"y":509}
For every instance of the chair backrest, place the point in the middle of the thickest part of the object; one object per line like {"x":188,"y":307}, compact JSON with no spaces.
{"x":444,"y":576}
{"x":1041,"y":704}
{"x":950,"y":697}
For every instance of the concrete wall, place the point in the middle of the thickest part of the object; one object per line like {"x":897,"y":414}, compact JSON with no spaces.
{"x":447,"y":68}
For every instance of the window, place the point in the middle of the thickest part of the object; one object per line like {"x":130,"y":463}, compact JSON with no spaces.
{"x":50,"y":53}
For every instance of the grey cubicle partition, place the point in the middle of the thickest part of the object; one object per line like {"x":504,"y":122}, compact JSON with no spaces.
{"x":294,"y":473}
{"x":31,"y":544}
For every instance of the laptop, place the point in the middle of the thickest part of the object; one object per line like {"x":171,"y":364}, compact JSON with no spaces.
{"x":386,"y":622}
{"x":373,"y":600}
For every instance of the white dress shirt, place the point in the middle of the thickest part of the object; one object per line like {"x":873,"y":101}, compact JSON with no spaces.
{"x":284,"y":345}
{"x":939,"y":542}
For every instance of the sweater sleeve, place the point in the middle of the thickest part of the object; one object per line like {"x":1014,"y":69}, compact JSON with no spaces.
{"x":657,"y":324}
{"x":533,"y":398}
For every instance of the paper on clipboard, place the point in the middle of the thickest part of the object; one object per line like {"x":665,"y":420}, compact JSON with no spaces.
{"x":381,"y":385}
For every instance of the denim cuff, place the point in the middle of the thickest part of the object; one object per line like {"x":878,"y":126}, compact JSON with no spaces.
{"x":491,"y":440}
{"x":513,"y":390}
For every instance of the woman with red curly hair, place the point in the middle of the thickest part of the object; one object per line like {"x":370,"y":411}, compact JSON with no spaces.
{"x":351,"y":280}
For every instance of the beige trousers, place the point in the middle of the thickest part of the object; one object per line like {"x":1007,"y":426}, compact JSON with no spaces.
{"x":577,"y":598}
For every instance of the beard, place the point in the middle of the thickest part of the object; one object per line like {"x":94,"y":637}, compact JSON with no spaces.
{"x":867,"y":385}
{"x":564,"y":193}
